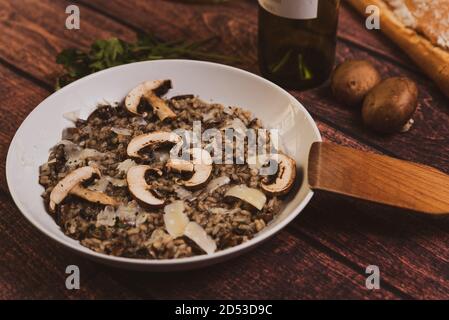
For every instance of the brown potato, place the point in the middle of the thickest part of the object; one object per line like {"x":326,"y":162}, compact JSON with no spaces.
{"x":352,"y":80}
{"x":390,"y":105}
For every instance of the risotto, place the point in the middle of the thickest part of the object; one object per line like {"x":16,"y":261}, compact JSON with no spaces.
{"x":112,"y":184}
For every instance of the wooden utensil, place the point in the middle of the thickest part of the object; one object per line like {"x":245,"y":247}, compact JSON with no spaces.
{"x":378,"y":178}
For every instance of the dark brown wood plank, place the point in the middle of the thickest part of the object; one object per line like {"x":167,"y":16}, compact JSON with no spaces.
{"x":411,"y":251}
{"x":20,"y":96}
{"x":284,"y":267}
{"x":330,"y":134}
{"x":34,"y":32}
{"x":33,"y":267}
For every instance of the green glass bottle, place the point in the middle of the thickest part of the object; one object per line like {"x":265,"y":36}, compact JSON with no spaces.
{"x":297,"y":40}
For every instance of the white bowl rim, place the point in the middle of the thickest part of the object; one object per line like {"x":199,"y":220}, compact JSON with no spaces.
{"x":162,"y":262}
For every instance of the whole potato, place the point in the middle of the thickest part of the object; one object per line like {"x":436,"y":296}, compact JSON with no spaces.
{"x":390,"y":105}
{"x":352,"y":80}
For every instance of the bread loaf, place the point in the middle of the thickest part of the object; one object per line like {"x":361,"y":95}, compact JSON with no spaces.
{"x":425,"y":43}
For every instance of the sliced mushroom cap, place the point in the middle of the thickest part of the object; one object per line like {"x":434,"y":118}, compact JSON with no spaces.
{"x":93,"y":196}
{"x":74,"y":178}
{"x":139,"y":188}
{"x":285,"y":176}
{"x":254,"y":197}
{"x":150,"y":90}
{"x":151,"y":140}
{"x":201,"y":166}
{"x":161,"y":107}
{"x":179,"y":165}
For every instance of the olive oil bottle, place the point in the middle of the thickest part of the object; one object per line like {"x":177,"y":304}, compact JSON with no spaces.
{"x":297,"y":40}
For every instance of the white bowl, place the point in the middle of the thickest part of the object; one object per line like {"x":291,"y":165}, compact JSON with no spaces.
{"x":212,"y":82}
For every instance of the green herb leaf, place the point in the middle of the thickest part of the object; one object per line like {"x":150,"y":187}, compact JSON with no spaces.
{"x":112,"y":52}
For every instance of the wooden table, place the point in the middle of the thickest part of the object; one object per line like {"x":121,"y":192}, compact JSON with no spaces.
{"x":321,"y":254}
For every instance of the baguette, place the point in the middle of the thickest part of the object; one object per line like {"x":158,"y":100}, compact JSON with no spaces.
{"x":433,"y":60}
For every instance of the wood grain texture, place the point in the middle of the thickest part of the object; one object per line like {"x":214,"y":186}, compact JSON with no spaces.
{"x":410,"y":250}
{"x":322,"y":254}
{"x":378,"y":178}
{"x":284,"y":267}
{"x":20,"y":97}
{"x":34,"y":32}
{"x":33,"y":267}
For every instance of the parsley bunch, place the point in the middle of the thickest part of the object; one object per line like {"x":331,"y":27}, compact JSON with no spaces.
{"x":112,"y":52}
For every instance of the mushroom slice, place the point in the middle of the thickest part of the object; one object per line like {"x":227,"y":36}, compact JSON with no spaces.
{"x":285,"y":176}
{"x":161,"y":107}
{"x":180,"y":165}
{"x":175,"y":219}
{"x":139,"y":187}
{"x":93,"y":196}
{"x":74,"y":178}
{"x":201,"y":166}
{"x":254,"y":197}
{"x":151,"y":140}
{"x":197,"y":234}
{"x":150,"y":90}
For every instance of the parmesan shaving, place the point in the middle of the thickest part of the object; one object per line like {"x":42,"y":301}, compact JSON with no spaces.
{"x":124,"y":166}
{"x":121,"y":131}
{"x":217,"y":183}
{"x":106,"y":217}
{"x":100,"y":185}
{"x":175,"y":219}
{"x":197,"y":234}
{"x":254,"y":197}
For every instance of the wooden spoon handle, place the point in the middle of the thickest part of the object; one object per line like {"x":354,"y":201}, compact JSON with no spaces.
{"x":378,"y":178}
